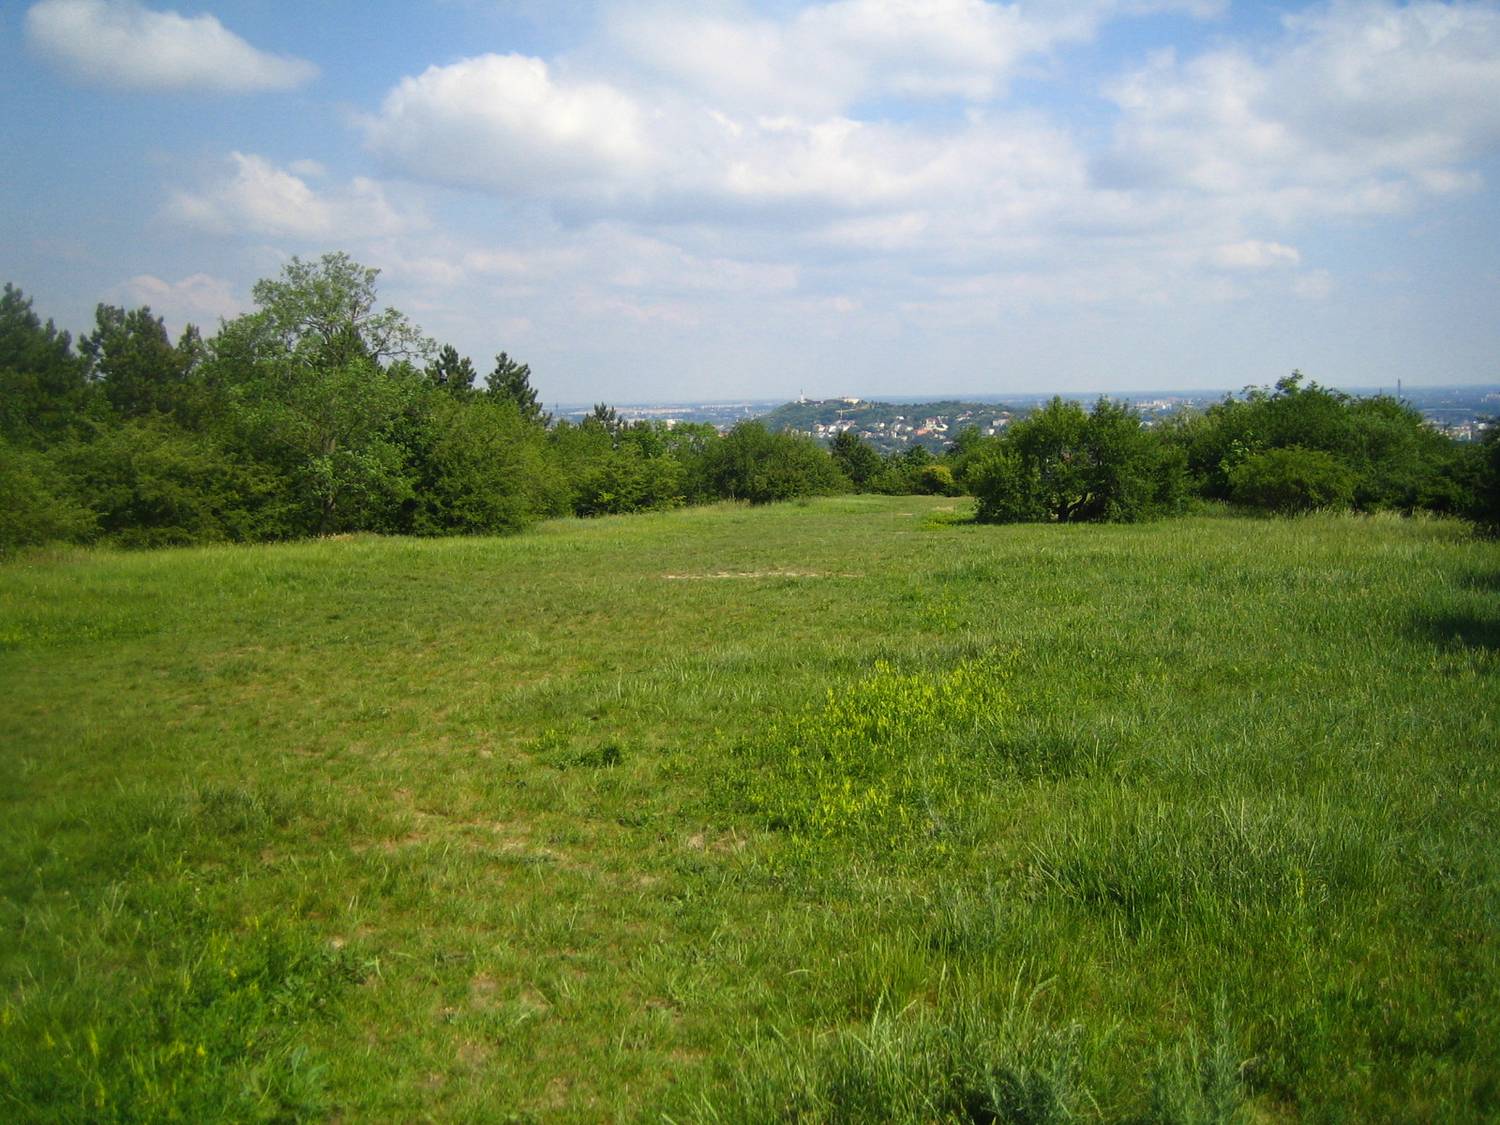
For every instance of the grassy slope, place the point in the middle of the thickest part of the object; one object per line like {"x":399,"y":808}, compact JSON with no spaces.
{"x":383,"y":828}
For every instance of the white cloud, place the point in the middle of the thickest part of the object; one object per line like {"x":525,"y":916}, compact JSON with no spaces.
{"x":260,"y":198}
{"x":827,"y":57}
{"x":681,"y":202}
{"x":831,"y":55}
{"x":505,"y":122}
{"x":1254,"y":255}
{"x":122,"y":44}
{"x":1362,"y":108}
{"x":506,"y":125}
{"x":199,"y":299}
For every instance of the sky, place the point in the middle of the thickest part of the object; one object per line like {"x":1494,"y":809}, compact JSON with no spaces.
{"x":674,"y":201}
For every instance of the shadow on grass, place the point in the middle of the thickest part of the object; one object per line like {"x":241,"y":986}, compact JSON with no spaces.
{"x":960,"y":514}
{"x":1488,"y":581}
{"x":1462,"y":630}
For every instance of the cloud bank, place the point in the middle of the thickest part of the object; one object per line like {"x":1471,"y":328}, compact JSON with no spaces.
{"x":858,"y":173}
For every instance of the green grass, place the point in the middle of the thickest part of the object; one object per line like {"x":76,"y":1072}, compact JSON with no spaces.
{"x":838,"y":811}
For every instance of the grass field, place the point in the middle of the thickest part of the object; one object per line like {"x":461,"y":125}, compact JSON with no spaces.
{"x":839,"y":811}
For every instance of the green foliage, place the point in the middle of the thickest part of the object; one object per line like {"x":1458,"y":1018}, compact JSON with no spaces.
{"x":627,"y":481}
{"x":324,"y":314}
{"x":485,"y":468}
{"x":44,"y":392}
{"x":1008,"y":488}
{"x":1062,"y":464}
{"x":901,"y":472}
{"x":1485,"y":506}
{"x":151,"y":483}
{"x":1391,"y":459}
{"x":314,"y":415}
{"x":888,"y":759}
{"x":856,"y":459}
{"x":606,"y":418}
{"x":753,"y":464}
{"x":610,"y":468}
{"x":36,"y":502}
{"x":1291,"y":480}
{"x":511,"y":382}
{"x":309,"y":398}
{"x":142,"y":373}
{"x":329,"y":433}
{"x":451,"y":372}
{"x":937,"y":480}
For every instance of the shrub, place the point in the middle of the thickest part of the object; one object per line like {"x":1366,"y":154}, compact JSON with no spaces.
{"x":751,"y":463}
{"x":484,"y":469}
{"x":1485,"y":507}
{"x":151,"y":483}
{"x":937,"y":480}
{"x":35,"y":505}
{"x":1009,"y":489}
{"x":1291,"y":480}
{"x":1065,"y":465}
{"x":856,"y":459}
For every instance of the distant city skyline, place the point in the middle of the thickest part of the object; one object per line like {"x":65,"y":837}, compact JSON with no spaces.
{"x":1477,"y":390}
{"x":654,"y":200}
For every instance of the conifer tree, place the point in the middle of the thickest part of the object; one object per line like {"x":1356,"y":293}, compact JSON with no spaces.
{"x":511,"y":380}
{"x":452,"y":372}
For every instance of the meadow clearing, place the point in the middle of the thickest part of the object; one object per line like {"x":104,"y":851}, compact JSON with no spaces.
{"x":838,"y":810}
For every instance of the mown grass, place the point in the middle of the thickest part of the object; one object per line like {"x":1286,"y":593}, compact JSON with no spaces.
{"x":1191,"y":821}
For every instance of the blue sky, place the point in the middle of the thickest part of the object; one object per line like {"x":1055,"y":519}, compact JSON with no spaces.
{"x":666,"y":200}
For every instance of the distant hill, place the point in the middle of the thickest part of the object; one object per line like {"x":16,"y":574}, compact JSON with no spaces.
{"x":889,"y":425}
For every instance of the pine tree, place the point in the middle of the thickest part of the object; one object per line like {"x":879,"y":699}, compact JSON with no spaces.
{"x":512,"y":380}
{"x":452,"y":372}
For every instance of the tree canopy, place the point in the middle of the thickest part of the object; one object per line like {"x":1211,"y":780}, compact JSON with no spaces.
{"x":1065,"y":465}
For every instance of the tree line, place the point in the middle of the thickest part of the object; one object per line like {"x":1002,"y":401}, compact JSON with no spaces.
{"x":1291,"y":448}
{"x":323,"y":412}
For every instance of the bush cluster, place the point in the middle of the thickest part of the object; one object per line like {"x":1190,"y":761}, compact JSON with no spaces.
{"x":323,"y":413}
{"x":1292,"y":448}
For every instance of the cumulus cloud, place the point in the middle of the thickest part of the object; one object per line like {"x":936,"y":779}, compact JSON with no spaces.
{"x":198,"y":299}
{"x":507,"y":125}
{"x":860,"y":161}
{"x":1363,"y":107}
{"x":505,"y":122}
{"x":686,"y":114}
{"x":120,"y":43}
{"x":829,"y":56}
{"x":257,"y":197}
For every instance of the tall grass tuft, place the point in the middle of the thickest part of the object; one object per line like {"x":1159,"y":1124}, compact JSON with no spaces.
{"x":960,"y":1063}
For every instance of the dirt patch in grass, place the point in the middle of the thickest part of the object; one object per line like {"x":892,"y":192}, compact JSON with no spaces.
{"x":721,"y":843}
